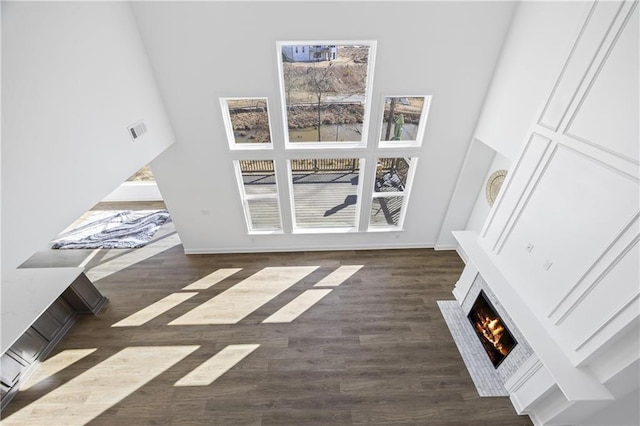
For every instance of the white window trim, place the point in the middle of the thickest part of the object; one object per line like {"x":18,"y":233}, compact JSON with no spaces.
{"x":424,"y":114}
{"x":245,"y":198}
{"x":404,"y":194}
{"x":231,"y":139}
{"x":326,"y":230}
{"x":367,"y":153}
{"x":368,"y":95}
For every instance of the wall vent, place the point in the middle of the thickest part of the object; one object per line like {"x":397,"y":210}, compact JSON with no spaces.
{"x":137,"y":130}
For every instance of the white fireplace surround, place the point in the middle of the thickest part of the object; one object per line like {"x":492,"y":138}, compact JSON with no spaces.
{"x":522,"y":351}
{"x":539,"y":378}
{"x":560,"y":247}
{"x":489,"y":380}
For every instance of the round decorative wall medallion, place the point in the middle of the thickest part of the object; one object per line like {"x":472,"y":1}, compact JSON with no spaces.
{"x":494,"y":183}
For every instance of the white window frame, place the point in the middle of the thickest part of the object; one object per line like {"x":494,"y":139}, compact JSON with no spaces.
{"x":245,"y":198}
{"x":368,"y":95}
{"x":231,"y":139}
{"x":359,"y":193}
{"x":424,"y":114}
{"x":404,"y":194}
{"x":368,"y":154}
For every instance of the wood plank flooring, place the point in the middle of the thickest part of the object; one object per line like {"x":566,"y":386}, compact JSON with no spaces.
{"x":373,"y":351}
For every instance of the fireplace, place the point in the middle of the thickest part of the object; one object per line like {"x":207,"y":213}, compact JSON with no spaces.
{"x":496,"y":338}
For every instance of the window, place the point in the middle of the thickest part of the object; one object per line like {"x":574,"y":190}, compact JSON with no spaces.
{"x":390,"y":189}
{"x":325,"y":192}
{"x":403,"y":120}
{"x":325,"y":93}
{"x":247,"y":122}
{"x":259,"y":194}
{"x":326,"y":96}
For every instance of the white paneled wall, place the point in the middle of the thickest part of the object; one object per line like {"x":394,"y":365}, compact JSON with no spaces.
{"x":540,"y":40}
{"x":564,"y":231}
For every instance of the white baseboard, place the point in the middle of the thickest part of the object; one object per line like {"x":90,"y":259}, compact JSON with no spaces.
{"x":257,"y":249}
{"x":135,"y":191}
{"x":443,"y":247}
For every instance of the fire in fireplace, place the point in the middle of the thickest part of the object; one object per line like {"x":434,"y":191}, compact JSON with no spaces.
{"x":492,"y":331}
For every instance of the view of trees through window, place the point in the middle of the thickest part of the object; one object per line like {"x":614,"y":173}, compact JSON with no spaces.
{"x":325,"y":89}
{"x":402,"y":116}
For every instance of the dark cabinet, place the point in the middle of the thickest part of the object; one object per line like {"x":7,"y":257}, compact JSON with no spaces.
{"x":29,"y":345}
{"x":84,"y":297}
{"x":47,"y":326}
{"x":81,"y":297}
{"x":61,"y":310}
{"x":4,"y":390}
{"x":10,"y":369}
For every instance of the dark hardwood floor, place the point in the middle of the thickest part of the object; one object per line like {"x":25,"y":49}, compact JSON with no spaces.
{"x":375,"y":350}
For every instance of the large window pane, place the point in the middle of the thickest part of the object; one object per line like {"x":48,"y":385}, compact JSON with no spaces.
{"x":325,"y":90}
{"x":247,"y":122}
{"x":325,"y":192}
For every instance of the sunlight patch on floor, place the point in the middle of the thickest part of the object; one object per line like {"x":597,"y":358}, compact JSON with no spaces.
{"x":339,"y":276}
{"x":210,"y":370}
{"x":239,"y":301}
{"x":131,"y":257}
{"x":86,"y":396}
{"x":55,"y":364}
{"x":297,"y":306}
{"x":212,"y":279}
{"x":154,"y":310}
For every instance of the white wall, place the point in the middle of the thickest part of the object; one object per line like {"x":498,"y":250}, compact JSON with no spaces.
{"x":573,"y":191}
{"x":481,"y":207}
{"x":0,"y":154}
{"x":74,"y":76}
{"x":468,"y":189}
{"x":199,"y":51}
{"x":539,"y":42}
{"x":135,"y":191}
{"x":518,"y":90}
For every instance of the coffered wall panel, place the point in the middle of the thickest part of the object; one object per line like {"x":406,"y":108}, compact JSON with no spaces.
{"x":607,"y":117}
{"x":588,"y":47}
{"x":565,"y":230}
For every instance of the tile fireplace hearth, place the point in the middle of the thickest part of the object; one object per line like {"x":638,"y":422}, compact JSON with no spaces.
{"x":488,"y":379}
